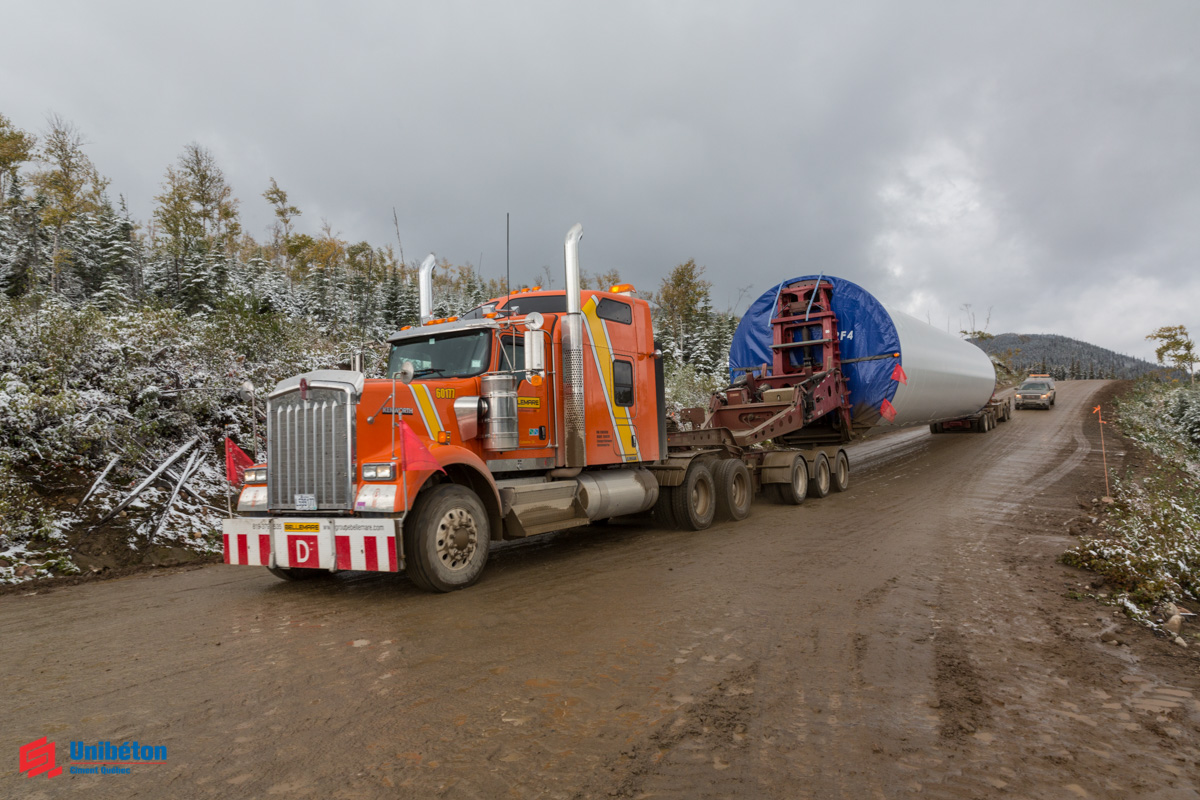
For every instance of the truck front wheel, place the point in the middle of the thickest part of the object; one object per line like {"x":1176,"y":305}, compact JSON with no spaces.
{"x":446,"y":539}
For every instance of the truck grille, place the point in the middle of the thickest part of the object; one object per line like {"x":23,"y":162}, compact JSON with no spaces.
{"x":310,"y":450}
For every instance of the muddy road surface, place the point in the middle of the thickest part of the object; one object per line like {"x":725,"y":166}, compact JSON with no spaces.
{"x":911,"y":637}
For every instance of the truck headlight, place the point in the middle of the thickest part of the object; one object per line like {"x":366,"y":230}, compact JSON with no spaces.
{"x":256,"y":475}
{"x":379,"y":472}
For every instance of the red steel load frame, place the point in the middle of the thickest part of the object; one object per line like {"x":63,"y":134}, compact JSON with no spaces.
{"x":801,"y":398}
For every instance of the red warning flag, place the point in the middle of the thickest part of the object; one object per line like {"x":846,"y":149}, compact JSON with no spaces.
{"x":236,"y":462}
{"x":898,"y":375}
{"x":413,"y":452}
{"x":887,"y":411}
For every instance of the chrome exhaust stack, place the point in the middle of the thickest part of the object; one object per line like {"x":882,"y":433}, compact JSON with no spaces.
{"x":574,"y":408}
{"x":425,"y":287}
{"x":571,"y":257}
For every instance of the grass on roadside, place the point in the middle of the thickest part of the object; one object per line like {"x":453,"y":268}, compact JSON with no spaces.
{"x":1148,"y":547}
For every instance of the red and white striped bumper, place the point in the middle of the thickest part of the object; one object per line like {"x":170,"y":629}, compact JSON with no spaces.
{"x":322,"y":543}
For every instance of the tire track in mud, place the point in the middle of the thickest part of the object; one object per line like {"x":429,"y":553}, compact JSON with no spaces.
{"x":701,"y":742}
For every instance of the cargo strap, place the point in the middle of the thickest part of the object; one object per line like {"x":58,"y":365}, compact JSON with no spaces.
{"x":870,"y":358}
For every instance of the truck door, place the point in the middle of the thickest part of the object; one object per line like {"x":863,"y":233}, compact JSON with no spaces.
{"x":611,"y":331}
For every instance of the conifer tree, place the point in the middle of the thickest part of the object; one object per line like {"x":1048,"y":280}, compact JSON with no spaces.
{"x":71,"y":186}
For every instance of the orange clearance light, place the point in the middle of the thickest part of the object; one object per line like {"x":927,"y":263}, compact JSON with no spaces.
{"x":535,"y":380}
{"x":536,"y":289}
{"x":443,"y":437}
{"x":491,"y":315}
{"x":451,"y":319}
{"x":621,"y":288}
{"x":406,"y":327}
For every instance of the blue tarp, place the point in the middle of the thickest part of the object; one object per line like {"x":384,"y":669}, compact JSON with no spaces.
{"x":865,"y":329}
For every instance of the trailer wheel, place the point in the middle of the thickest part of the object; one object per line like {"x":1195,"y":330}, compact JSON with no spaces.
{"x":446,"y":543}
{"x":935,"y":428}
{"x":735,"y":490}
{"x":841,"y":471}
{"x":822,"y":476}
{"x":694,"y":502}
{"x":794,"y":491}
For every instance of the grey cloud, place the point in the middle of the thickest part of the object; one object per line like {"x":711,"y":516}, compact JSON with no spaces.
{"x":759,"y":138}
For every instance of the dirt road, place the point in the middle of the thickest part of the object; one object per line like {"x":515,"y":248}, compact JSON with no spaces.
{"x":910,"y":637}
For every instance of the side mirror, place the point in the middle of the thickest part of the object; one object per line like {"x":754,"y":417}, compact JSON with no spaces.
{"x":405,"y":373}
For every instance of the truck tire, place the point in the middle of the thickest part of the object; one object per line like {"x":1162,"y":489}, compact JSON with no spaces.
{"x":841,"y":471}
{"x":822,"y":476}
{"x":794,"y":491}
{"x":935,"y":427}
{"x":694,"y":502}
{"x":446,"y":542}
{"x":735,"y":490}
{"x":662,"y":513}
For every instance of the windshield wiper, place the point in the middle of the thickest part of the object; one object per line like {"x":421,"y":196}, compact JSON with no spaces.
{"x":428,"y":371}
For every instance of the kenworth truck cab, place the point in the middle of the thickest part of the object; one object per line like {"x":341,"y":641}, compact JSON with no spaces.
{"x":508,"y":422}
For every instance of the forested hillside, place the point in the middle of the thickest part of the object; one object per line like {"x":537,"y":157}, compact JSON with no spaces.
{"x":123,"y":339}
{"x":1063,"y":357}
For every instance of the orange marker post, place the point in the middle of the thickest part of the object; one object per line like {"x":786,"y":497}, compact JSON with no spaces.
{"x":1103,"y":453}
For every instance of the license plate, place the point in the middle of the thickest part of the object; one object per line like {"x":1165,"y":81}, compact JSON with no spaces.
{"x":306,"y":502}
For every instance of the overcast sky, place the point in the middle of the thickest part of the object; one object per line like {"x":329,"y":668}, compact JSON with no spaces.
{"x":1041,"y":159}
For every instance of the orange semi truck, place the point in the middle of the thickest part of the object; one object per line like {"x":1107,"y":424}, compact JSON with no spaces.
{"x":532,"y":413}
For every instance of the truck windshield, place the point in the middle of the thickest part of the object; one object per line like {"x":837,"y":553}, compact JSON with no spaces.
{"x":455,"y":355}
{"x":1034,"y":387}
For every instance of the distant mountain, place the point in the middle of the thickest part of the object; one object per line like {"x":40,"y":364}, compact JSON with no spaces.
{"x":1063,"y":357}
